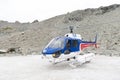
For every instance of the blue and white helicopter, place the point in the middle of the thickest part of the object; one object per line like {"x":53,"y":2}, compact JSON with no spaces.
{"x":68,"y":48}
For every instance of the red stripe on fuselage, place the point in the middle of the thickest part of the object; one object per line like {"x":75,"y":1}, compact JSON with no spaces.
{"x":85,"y":45}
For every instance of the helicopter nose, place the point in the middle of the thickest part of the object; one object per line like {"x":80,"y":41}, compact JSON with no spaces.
{"x":44,"y":52}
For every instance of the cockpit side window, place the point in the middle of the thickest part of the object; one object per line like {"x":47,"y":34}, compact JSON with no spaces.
{"x":68,"y":44}
{"x":75,"y":43}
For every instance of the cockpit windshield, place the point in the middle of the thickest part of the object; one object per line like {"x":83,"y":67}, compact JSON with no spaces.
{"x":56,"y":43}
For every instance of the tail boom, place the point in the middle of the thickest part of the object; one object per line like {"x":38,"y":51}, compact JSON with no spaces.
{"x":86,"y":44}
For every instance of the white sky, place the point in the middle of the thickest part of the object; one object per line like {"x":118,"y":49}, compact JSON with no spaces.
{"x":29,"y":10}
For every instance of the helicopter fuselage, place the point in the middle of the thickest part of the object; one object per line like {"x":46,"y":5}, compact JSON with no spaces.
{"x":65,"y":47}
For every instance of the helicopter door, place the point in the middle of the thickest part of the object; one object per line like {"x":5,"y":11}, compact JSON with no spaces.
{"x":74,"y":46}
{"x":68,"y":47}
{"x":71,"y":46}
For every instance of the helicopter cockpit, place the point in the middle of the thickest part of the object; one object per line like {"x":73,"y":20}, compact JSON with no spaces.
{"x":56,"y":43}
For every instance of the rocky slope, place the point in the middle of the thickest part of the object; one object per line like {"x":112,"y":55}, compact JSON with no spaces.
{"x":29,"y":38}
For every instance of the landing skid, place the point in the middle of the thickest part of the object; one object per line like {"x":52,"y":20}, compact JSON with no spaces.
{"x":82,"y":59}
{"x":78,"y":60}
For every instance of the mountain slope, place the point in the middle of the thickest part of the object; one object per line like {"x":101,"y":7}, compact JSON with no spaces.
{"x":28,"y":38}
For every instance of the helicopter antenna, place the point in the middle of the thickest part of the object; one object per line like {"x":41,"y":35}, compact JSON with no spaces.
{"x":71,"y":29}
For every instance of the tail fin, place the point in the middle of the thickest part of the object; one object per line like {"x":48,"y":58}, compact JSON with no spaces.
{"x":95,"y":41}
{"x":95,"y":38}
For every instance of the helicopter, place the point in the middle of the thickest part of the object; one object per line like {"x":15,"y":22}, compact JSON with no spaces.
{"x":68,"y":48}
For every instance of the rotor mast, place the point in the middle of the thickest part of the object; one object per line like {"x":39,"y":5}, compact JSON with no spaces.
{"x":71,"y":29}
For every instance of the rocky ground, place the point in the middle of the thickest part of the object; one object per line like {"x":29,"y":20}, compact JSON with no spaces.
{"x":30,"y":38}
